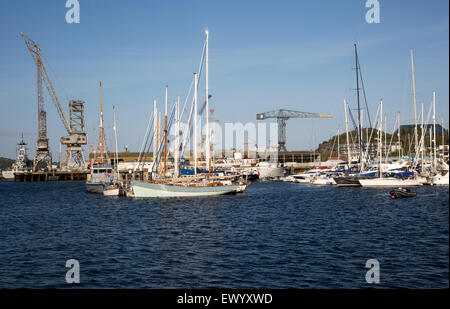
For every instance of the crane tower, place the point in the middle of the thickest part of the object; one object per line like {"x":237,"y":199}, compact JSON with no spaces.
{"x":283,"y":115}
{"x":75,"y":128}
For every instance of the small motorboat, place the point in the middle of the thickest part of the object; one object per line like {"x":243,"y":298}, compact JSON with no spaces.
{"x":401,"y":192}
{"x":111,"y":190}
{"x":241,"y":188}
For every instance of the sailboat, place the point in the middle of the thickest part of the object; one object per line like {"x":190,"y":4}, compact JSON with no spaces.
{"x":113,"y":189}
{"x":194,"y":186}
{"x":353,"y":180}
{"x":386,"y":181}
{"x":189,"y":189}
{"x":100,"y":170}
{"x":197,"y":185}
{"x":389,"y":182}
{"x":441,"y":179}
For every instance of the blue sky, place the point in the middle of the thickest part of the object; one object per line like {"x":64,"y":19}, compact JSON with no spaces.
{"x":264,"y":55}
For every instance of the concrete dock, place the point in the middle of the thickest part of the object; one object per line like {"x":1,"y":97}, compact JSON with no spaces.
{"x":51,"y":176}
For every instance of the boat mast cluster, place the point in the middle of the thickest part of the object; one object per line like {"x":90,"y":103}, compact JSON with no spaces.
{"x":160,"y":137}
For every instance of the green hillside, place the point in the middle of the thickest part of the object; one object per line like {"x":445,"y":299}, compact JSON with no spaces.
{"x":5,"y":163}
{"x":407,"y":140}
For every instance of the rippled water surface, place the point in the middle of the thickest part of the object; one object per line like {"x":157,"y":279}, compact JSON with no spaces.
{"x":275,"y":235}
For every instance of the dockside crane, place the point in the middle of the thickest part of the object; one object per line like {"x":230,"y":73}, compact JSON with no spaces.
{"x":77,"y":137}
{"x":283,"y":115}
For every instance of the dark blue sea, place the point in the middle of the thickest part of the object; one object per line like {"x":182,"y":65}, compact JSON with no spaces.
{"x":275,"y":235}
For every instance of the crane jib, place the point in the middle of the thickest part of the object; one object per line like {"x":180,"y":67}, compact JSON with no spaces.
{"x":75,"y":127}
{"x":283,"y":115}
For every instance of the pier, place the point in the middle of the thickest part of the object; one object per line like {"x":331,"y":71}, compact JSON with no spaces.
{"x":51,"y":176}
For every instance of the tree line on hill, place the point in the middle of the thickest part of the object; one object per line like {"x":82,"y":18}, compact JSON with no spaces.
{"x":5,"y":163}
{"x":328,"y":148}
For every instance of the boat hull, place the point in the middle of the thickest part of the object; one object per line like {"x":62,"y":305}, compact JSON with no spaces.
{"x":94,"y":187}
{"x":111,"y":192}
{"x":424,"y":180}
{"x":441,"y":180}
{"x":270,"y":172}
{"x":347,"y":181}
{"x":8,"y":175}
{"x":287,"y":179}
{"x":401,"y":193}
{"x":389,"y":182}
{"x":323,"y":181}
{"x":147,"y":189}
{"x":302,"y":179}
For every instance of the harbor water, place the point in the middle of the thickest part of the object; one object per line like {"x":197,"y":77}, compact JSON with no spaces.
{"x":275,"y":235}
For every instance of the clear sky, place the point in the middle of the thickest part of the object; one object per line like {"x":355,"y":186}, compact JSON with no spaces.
{"x":264,"y":55}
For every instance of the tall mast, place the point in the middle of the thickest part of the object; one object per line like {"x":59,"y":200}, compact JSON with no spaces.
{"x":385,"y":138}
{"x":346,"y":133}
{"x":380,"y":139}
{"x":409,"y":144}
{"x":338,"y":151}
{"x":207,"y":103}
{"x":359,"y":110}
{"x":431,"y":143}
{"x":422,"y":145}
{"x":116,"y":155}
{"x":434,"y":130}
{"x":165,"y":132}
{"x":101,"y":125}
{"x":212,"y":142}
{"x":195,"y":122}
{"x":362,"y":126}
{"x":313,"y":145}
{"x":159,"y":140}
{"x":155,"y":130}
{"x":398,"y":136}
{"x":414,"y":98}
{"x":177,"y":138}
{"x":362,"y":139}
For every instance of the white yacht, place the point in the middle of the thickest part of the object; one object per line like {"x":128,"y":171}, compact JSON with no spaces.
{"x":269,"y":170}
{"x":389,"y":182}
{"x":289,"y":178}
{"x":441,"y":180}
{"x":322,"y":179}
{"x":303,"y":178}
